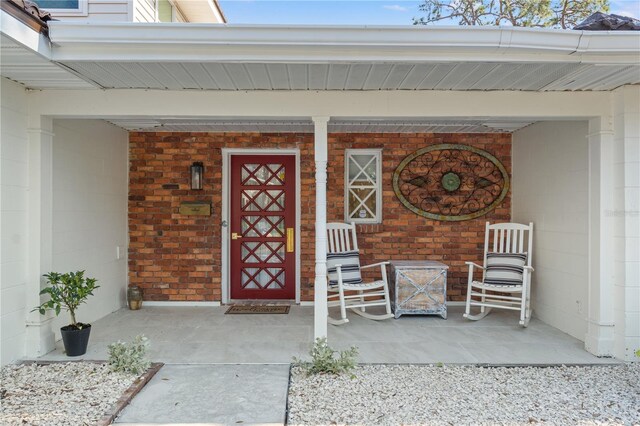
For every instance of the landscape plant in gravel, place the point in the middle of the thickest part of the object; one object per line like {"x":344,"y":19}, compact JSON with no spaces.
{"x":130,"y":357}
{"x":324,"y":361}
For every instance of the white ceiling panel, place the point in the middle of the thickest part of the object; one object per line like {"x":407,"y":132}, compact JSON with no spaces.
{"x":260,"y":76}
{"x":298,"y":76}
{"x":453,"y":77}
{"x":27,"y":67}
{"x":434,"y":76}
{"x":337,"y":76}
{"x":408,"y":125}
{"x":318,"y":75}
{"x":377,"y":76}
{"x":357,"y":76}
{"x":398,"y":74}
{"x":201,"y":76}
{"x":220,"y":75}
{"x":549,"y":73}
{"x":239,"y":76}
{"x":415,"y":76}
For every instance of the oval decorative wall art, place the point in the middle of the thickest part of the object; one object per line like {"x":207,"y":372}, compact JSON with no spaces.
{"x":451,"y":182}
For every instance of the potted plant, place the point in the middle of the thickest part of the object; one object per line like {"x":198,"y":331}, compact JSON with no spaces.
{"x":68,"y":291}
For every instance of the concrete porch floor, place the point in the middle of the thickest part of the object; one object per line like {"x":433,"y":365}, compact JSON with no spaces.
{"x":204,"y":335}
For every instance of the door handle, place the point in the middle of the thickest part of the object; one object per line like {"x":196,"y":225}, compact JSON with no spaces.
{"x":235,"y":236}
{"x":290,"y":240}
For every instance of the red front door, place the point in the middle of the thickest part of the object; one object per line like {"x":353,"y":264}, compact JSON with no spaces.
{"x":263,"y":223}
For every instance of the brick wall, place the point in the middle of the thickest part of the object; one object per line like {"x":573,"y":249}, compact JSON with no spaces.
{"x":175,"y":257}
{"x":403,"y":234}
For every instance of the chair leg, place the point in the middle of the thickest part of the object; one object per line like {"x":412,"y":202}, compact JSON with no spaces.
{"x":360,"y":292}
{"x":482,"y":299}
{"x":387,"y":298}
{"x":484,"y":311}
{"x":529,"y":312}
{"x":467,"y":309}
{"x":343,"y":312}
{"x":343,"y":308}
{"x":524,"y":321}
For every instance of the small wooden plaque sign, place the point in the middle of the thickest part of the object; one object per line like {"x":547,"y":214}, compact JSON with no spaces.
{"x":195,"y":209}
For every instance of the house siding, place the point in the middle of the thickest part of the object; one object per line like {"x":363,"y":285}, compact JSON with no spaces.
{"x":178,"y":258}
{"x":99,"y":10}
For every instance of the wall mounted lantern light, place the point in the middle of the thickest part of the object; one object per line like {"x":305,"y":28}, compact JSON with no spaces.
{"x":197,"y":174}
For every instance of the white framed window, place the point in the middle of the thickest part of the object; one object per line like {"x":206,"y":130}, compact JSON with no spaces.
{"x":64,"y":7}
{"x":363,"y":185}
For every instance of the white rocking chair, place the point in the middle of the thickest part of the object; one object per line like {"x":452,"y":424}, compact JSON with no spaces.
{"x":344,"y":267}
{"x":506,"y":272}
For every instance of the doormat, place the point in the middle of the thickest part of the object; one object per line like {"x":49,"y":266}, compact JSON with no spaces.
{"x":258,"y":309}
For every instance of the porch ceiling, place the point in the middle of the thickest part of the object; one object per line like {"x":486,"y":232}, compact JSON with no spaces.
{"x":345,"y":125}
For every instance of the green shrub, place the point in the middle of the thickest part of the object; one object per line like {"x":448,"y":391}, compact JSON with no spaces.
{"x":323,"y":360}
{"x":130,"y":357}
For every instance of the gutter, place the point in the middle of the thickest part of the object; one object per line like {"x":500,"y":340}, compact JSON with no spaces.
{"x":327,"y":44}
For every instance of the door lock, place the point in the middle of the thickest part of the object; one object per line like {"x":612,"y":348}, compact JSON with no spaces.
{"x":235,"y":236}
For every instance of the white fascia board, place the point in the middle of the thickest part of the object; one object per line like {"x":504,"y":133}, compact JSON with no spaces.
{"x":173,"y":42}
{"x":22,"y":34}
{"x":113,"y":104}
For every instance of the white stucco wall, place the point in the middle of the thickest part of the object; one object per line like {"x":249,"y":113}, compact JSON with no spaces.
{"x":550,"y":189}
{"x":13,"y":219}
{"x":90,"y":169}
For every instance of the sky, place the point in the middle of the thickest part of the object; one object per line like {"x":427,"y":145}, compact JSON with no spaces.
{"x":348,"y":12}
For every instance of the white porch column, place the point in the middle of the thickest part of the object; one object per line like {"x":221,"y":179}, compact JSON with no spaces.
{"x":320,"y":285}
{"x":600,"y":329}
{"x":626,"y":107}
{"x":39,"y":336}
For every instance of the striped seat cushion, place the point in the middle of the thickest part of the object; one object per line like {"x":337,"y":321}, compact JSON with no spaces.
{"x":505,"y":269}
{"x":350,"y":261}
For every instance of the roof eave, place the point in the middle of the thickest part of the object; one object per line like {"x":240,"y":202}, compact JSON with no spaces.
{"x":29,"y":34}
{"x":260,"y":43}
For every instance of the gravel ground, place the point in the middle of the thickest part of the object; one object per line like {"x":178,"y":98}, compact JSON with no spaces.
{"x":73,"y":393}
{"x":460,"y":395}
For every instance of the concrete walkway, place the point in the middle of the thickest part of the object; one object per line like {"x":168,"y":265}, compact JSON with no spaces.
{"x":233,"y":369}
{"x":247,"y":394}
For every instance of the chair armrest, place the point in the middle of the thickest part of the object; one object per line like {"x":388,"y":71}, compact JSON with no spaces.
{"x":375,"y":264}
{"x":529,"y":268}
{"x":475,"y":265}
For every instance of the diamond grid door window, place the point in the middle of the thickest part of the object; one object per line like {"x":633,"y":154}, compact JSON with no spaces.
{"x":363,"y":185}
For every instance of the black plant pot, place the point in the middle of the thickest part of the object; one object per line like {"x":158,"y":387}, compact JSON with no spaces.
{"x":75,"y":341}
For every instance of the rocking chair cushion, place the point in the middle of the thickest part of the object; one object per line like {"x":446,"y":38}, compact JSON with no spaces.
{"x":505,"y":269}
{"x":350,"y":261}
